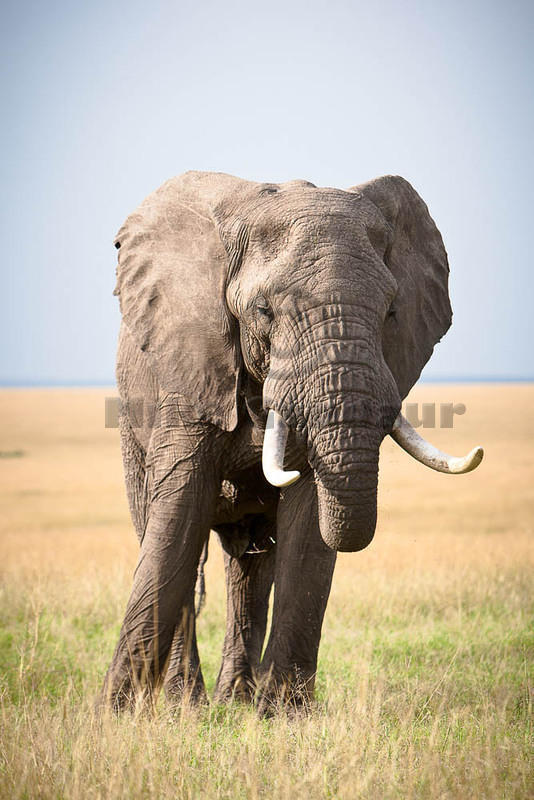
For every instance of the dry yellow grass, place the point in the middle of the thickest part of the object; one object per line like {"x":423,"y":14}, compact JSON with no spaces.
{"x":425,"y":674}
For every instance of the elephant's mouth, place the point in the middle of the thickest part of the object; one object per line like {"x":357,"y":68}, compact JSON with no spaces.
{"x":402,"y":432}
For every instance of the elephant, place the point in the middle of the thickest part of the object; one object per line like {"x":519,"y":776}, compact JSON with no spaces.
{"x":269,"y":335}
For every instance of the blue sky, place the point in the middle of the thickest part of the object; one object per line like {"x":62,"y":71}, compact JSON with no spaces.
{"x":104,"y":101}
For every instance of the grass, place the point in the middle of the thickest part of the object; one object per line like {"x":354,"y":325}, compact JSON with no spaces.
{"x":425,"y":677}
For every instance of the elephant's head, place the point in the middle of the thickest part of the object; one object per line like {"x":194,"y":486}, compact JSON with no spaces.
{"x":333,"y":300}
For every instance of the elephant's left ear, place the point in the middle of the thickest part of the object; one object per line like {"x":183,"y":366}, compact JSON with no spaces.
{"x":171,"y":279}
{"x":421,"y":312}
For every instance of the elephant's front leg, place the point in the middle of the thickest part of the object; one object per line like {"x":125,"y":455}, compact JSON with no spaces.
{"x":248,"y":585}
{"x":184,"y":490}
{"x":303,"y":577}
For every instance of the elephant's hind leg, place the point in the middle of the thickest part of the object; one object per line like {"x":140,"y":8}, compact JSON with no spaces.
{"x":249,"y":578}
{"x":184,"y":681}
{"x":303,"y":576}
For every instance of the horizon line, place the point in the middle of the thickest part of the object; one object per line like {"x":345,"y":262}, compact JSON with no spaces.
{"x":83,"y":384}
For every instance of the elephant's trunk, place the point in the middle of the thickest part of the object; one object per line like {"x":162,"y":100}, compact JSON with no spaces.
{"x":342,"y":430}
{"x":344,"y":457}
{"x":347,"y":521}
{"x":329,"y":383}
{"x":347,"y":512}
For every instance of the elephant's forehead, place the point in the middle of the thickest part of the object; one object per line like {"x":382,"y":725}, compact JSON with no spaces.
{"x":304,"y":210}
{"x":312,"y":237}
{"x":303,"y":221}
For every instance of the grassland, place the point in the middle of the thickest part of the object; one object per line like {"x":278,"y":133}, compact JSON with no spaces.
{"x":425,"y":674}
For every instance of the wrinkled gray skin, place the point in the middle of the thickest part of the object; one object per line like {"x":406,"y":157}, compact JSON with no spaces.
{"x":238,"y":297}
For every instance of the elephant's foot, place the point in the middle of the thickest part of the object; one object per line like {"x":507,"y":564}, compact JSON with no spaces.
{"x":183,"y":689}
{"x":125,"y":694}
{"x":121,"y":694}
{"x":290,"y":693}
{"x":241,"y":687}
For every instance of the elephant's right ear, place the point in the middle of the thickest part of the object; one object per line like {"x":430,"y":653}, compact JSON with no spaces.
{"x":171,"y":281}
{"x":417,"y":259}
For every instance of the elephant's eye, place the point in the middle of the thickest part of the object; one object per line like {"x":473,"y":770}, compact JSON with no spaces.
{"x":263,"y":307}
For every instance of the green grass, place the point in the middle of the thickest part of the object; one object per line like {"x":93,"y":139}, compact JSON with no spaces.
{"x":424,"y":690}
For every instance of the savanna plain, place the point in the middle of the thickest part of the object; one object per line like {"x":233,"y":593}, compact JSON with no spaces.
{"x":424,"y":686}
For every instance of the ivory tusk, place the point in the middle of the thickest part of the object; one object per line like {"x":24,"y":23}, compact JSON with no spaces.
{"x":274,"y":447}
{"x":430,"y":456}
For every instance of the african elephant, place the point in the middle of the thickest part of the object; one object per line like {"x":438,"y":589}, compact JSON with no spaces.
{"x":275,"y":324}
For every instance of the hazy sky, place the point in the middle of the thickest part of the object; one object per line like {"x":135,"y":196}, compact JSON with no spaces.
{"x":103,"y":101}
